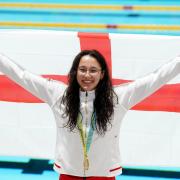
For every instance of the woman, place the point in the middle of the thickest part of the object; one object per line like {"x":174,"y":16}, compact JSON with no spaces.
{"x":89,"y":112}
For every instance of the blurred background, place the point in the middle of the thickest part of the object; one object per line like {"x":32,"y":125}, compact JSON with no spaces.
{"x":117,"y":16}
{"x":161,"y":17}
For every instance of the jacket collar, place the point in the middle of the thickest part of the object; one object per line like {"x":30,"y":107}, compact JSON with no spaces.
{"x":87,"y":95}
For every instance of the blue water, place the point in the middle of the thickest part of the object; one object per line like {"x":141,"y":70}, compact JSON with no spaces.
{"x":22,"y":168}
{"x":9,"y":174}
{"x":85,"y":17}
{"x":105,"y":17}
{"x":119,"y":2}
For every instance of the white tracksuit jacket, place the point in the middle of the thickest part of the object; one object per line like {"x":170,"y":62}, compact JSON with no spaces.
{"x":104,"y":153}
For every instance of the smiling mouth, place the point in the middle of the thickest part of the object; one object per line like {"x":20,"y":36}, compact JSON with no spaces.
{"x":87,"y":82}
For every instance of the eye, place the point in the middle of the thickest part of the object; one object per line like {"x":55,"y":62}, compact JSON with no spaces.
{"x":82,"y":70}
{"x":93,"y":71}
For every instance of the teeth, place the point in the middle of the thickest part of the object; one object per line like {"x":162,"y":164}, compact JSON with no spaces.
{"x":87,"y":81}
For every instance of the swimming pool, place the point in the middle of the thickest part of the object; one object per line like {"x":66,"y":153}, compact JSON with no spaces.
{"x":23,"y":168}
{"x":145,"y":17}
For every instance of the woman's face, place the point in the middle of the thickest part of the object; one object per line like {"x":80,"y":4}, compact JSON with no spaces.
{"x":89,"y":73}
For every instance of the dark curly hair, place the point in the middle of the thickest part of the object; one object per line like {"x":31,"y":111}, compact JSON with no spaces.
{"x":104,"y":95}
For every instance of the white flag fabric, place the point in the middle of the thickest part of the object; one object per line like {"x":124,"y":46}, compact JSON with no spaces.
{"x":150,"y":131}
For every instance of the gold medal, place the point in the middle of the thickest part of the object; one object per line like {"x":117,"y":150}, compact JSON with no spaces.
{"x":86,"y":163}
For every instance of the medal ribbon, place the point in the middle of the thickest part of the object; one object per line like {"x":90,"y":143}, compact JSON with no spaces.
{"x":86,"y":140}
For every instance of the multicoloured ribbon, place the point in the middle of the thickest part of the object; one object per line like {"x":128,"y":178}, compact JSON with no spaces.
{"x":86,"y":140}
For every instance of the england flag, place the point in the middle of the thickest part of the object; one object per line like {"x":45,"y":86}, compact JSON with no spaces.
{"x":150,"y":131}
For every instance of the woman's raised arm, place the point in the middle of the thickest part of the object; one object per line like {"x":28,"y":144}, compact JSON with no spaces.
{"x":45,"y":89}
{"x":132,"y":93}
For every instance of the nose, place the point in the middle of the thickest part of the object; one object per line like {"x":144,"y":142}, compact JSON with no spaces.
{"x":87,"y":73}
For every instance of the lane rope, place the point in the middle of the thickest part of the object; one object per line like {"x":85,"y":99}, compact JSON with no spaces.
{"x":90,"y":6}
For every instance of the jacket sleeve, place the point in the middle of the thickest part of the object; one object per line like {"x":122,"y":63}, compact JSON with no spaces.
{"x":132,"y":93}
{"x":45,"y":89}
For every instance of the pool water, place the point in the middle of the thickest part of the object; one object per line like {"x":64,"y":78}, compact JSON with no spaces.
{"x":123,"y":16}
